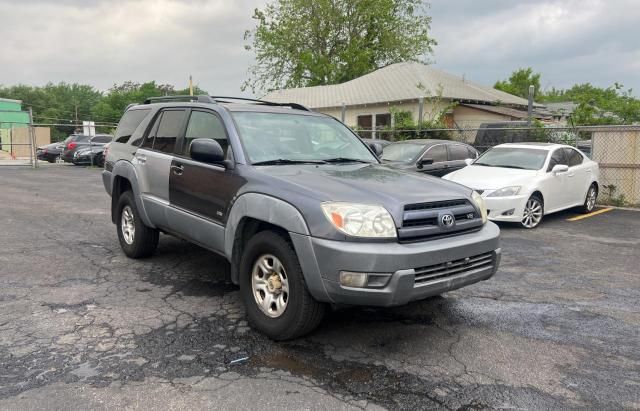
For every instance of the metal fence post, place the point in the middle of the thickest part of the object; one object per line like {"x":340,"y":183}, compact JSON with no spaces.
{"x":32,"y":134}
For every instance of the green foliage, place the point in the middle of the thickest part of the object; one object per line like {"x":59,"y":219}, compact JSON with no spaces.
{"x":299,"y":43}
{"x":59,"y":103}
{"x":519,"y":82}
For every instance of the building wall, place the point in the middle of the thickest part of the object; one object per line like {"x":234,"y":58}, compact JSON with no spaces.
{"x":20,"y":140}
{"x":11,"y":114}
{"x":469,"y":117}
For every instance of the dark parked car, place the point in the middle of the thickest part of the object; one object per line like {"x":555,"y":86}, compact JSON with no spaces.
{"x":492,"y":134}
{"x":90,"y":155}
{"x":77,"y":141}
{"x":434,"y":157}
{"x":382,"y":142}
{"x":50,"y":152}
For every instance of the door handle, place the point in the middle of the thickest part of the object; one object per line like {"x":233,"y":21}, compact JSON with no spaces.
{"x":177,"y":170}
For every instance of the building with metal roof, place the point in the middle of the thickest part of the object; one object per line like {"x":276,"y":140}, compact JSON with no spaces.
{"x":367,"y":101}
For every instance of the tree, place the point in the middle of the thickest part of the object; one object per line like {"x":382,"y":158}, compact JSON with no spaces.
{"x":519,"y":82}
{"x":300,"y":43}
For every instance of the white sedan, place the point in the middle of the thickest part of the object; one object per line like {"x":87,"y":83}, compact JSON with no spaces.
{"x":525,"y":181}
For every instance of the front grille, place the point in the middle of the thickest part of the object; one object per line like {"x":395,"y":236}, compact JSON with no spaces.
{"x":422,"y":221}
{"x":451,"y":268}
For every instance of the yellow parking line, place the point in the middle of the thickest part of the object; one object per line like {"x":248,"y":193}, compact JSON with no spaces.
{"x":591,"y":214}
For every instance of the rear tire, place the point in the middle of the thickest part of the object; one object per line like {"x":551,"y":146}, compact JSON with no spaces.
{"x":533,"y":212}
{"x":590,"y":199}
{"x":136,"y":239}
{"x":286,"y":310}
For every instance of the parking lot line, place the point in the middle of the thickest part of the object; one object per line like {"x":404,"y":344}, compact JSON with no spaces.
{"x":591,"y":214}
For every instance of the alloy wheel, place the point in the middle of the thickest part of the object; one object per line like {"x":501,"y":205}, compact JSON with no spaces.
{"x":270,"y":285}
{"x":127,"y":225}
{"x":591,"y":198}
{"x":532,"y":213}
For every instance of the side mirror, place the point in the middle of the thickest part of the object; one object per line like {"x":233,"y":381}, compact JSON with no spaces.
{"x":424,"y":162}
{"x":560,"y":168}
{"x":377,"y":148}
{"x":468,"y":161}
{"x":206,"y":150}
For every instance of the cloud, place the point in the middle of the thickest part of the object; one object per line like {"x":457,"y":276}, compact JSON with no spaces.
{"x":102,"y":42}
{"x":568,"y":41}
{"x":106,"y":42}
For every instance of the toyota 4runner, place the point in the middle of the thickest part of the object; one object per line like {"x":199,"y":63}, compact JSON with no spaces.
{"x":297,"y":203}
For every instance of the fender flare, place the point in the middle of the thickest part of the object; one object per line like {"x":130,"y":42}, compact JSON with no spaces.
{"x":266,"y":208}
{"x":126,"y":170}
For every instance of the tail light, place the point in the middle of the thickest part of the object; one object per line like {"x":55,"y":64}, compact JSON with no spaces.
{"x":71,"y":146}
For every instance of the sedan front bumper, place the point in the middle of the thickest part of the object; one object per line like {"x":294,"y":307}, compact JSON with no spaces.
{"x":508,"y":209}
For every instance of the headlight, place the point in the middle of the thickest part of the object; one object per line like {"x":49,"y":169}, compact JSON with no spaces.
{"x":360,"y":220}
{"x":505,"y":192}
{"x":477,"y":198}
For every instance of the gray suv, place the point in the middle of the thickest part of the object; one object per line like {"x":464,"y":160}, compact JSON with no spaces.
{"x":302,"y":209}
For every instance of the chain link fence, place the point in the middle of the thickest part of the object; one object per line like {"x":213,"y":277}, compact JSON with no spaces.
{"x":615,"y":148}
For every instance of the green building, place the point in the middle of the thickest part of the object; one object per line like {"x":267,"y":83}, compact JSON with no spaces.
{"x":11,"y":116}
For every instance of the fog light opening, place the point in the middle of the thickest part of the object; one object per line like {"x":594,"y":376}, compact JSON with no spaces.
{"x":509,"y":212}
{"x":351,"y":279}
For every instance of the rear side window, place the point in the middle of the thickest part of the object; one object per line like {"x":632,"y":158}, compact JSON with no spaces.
{"x":128,"y":124}
{"x":437,"y":153}
{"x":573,"y":157}
{"x":458,"y":152}
{"x":165,"y":132}
{"x":101,"y":139}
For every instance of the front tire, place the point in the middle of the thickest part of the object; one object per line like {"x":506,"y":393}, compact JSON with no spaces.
{"x":533,"y":212}
{"x":590,"y":199}
{"x":273,"y":289}
{"x":136,"y":239}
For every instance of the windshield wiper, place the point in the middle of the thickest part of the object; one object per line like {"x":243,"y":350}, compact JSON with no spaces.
{"x":280,"y":161}
{"x":345,"y":160}
{"x":518,"y":167}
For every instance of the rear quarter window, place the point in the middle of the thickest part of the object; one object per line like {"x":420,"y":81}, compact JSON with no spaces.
{"x":128,"y":124}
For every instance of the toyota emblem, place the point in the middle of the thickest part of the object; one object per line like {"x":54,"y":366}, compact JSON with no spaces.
{"x":447,"y":220}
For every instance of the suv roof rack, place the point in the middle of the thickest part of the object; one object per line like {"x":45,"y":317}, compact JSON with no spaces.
{"x":226,"y":99}
{"x":198,"y":99}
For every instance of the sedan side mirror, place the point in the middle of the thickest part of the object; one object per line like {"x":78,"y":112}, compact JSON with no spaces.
{"x":206,"y":150}
{"x":468,"y":161}
{"x":377,"y":148}
{"x":560,"y":168}
{"x":425,"y":162}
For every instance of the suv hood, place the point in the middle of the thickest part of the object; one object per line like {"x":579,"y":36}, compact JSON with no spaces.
{"x":365,"y":184}
{"x":490,"y":178}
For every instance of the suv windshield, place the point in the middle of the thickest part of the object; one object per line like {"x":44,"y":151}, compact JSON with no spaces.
{"x":401,"y":151}
{"x":513,"y":157}
{"x":285,"y":138}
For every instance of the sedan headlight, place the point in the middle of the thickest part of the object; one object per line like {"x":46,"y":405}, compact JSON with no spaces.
{"x":477,"y":198}
{"x":505,"y":192}
{"x":360,"y":220}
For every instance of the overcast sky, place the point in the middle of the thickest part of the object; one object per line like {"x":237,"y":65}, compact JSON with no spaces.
{"x":104,"y":42}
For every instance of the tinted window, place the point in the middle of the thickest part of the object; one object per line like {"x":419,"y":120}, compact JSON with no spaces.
{"x":205,"y":125}
{"x":128,"y":124}
{"x":573,"y":157}
{"x":168,"y":130}
{"x":402,"y":151}
{"x":557,"y":157}
{"x":458,"y":152}
{"x":437,"y":153}
{"x":101,"y":139}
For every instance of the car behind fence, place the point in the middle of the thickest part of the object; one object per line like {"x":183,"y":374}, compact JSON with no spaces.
{"x":615,"y":148}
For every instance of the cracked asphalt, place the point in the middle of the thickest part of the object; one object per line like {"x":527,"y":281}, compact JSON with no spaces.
{"x":83,"y":327}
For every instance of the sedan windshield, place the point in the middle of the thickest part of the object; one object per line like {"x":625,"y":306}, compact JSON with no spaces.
{"x":275,"y":138}
{"x":405,"y":152}
{"x":513,"y":157}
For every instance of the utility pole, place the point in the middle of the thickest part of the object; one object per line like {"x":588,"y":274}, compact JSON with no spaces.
{"x":190,"y":85}
{"x":530,"y":106}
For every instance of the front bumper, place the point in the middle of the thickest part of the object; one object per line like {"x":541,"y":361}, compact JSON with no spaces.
{"x":322,"y":260}
{"x":508,"y":209}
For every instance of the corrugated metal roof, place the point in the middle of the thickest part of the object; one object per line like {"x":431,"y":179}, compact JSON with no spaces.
{"x":396,"y":82}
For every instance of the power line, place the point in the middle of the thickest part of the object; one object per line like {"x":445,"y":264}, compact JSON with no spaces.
{"x":73,"y":113}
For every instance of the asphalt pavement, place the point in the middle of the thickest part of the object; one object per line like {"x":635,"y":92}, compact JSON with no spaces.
{"x":84,"y":327}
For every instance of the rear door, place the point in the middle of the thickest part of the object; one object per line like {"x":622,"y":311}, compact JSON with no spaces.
{"x":439,"y":167}
{"x":201,"y":193}
{"x":153,"y":161}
